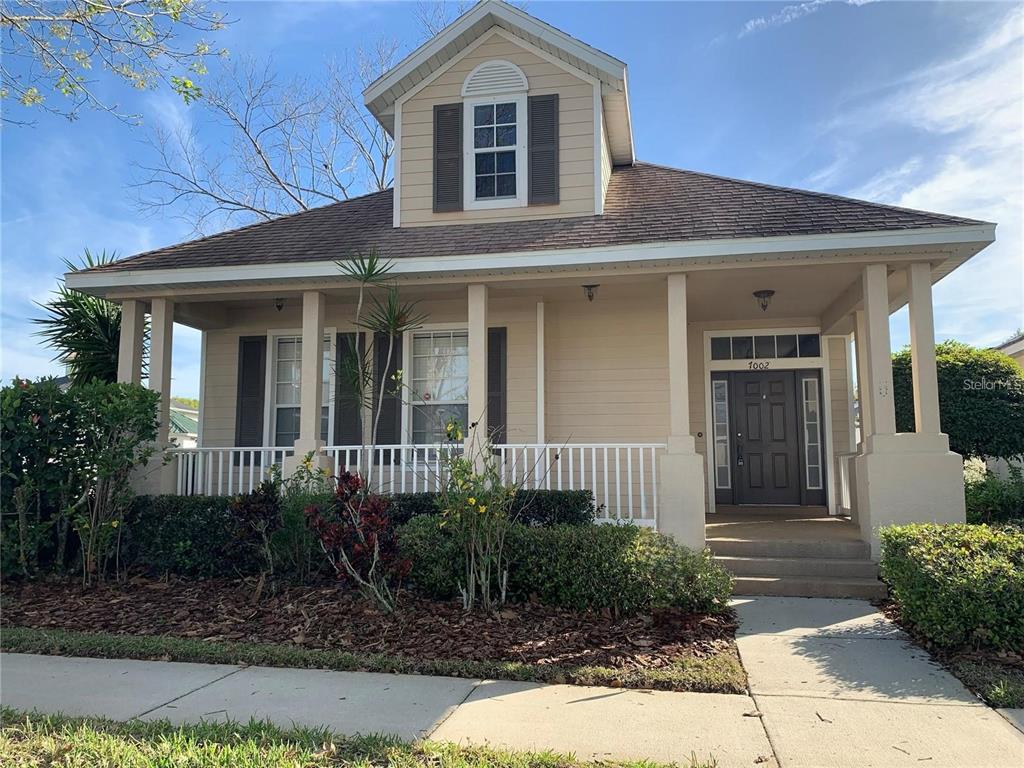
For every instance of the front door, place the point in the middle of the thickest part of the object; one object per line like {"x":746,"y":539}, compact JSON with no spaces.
{"x":767,"y":444}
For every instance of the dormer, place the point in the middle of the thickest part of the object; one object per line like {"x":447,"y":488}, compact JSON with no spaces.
{"x":501,"y":117}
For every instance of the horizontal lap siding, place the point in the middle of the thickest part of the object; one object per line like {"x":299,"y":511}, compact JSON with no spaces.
{"x":839,"y":390}
{"x":576,"y":138}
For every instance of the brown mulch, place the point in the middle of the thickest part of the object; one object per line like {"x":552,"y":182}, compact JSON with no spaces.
{"x":335,"y":618}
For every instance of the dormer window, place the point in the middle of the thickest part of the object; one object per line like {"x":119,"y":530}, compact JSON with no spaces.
{"x":494,"y":149}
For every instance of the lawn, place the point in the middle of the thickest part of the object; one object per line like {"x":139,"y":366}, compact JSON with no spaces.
{"x":218,"y":621}
{"x":38,"y":740}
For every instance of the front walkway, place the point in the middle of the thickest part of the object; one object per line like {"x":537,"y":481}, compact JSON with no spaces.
{"x":833,"y":683}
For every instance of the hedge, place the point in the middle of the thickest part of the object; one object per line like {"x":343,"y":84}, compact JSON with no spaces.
{"x":622,"y":569}
{"x":958,"y":585}
{"x":530,"y":507}
{"x":994,"y":499}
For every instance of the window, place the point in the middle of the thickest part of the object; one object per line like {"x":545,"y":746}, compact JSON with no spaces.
{"x":287,"y":388}
{"x":495,"y":146}
{"x":440,"y":383}
{"x":765,"y":347}
{"x":720,"y":406}
{"x":812,"y":433}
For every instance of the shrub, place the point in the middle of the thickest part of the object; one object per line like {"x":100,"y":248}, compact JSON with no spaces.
{"x":257,"y":516}
{"x":529,"y":507}
{"x":622,"y":569}
{"x":959,"y":585}
{"x":184,"y":535}
{"x":995,"y":499}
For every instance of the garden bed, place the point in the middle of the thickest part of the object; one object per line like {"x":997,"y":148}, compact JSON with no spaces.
{"x":311,"y":626}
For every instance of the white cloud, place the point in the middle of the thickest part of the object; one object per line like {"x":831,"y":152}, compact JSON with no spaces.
{"x":971,"y":110}
{"x":789,"y":14}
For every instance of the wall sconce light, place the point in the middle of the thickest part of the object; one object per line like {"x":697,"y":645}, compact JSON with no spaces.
{"x":279,"y":304}
{"x":589,"y":290}
{"x":764,"y":298}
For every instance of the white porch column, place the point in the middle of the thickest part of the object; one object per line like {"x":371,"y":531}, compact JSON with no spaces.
{"x":162,"y":334}
{"x":158,"y":477}
{"x":877,"y":387}
{"x":311,"y":385}
{"x":476,"y":436}
{"x":861,"y":339}
{"x":922,"y":349}
{"x":129,"y":350}
{"x":681,"y":478}
{"x":541,"y":423}
{"x":910,"y":477}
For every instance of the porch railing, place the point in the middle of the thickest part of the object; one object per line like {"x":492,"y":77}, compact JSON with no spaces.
{"x":622,"y":476}
{"x":223,"y":471}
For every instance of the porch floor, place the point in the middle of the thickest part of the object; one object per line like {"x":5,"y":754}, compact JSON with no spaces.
{"x":779,"y":524}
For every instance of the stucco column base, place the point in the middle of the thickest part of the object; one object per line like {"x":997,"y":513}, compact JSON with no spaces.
{"x":681,"y":482}
{"x":302,"y":449}
{"x":157,"y":477}
{"x":907,"y":478}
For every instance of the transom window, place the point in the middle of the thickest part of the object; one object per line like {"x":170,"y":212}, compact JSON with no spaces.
{"x":440,"y":383}
{"x":287,"y":390}
{"x":495,"y":127}
{"x":765,"y":347}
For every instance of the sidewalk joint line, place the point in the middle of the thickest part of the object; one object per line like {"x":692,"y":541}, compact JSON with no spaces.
{"x":189,"y":693}
{"x":454,"y":709}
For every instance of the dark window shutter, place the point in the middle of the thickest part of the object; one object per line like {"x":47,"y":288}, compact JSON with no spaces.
{"x":543,"y":152}
{"x":447,"y":157}
{"x":389,"y":428}
{"x":348,"y":416}
{"x":497,"y":385}
{"x":252,"y":367}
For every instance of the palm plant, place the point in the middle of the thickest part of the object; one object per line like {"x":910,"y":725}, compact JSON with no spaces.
{"x":85,"y":330}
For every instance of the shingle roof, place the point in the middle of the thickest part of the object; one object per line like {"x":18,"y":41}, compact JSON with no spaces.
{"x":645,"y":203}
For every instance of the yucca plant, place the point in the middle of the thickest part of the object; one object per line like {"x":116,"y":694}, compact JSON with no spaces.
{"x":84,"y":330}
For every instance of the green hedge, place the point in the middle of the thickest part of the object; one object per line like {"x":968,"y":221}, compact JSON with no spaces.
{"x":994,"y":499}
{"x":618,"y":568}
{"x":530,"y":507}
{"x":959,"y":585}
{"x":184,"y":535}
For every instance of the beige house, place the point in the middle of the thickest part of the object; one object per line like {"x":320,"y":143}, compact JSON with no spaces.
{"x":680,"y":343}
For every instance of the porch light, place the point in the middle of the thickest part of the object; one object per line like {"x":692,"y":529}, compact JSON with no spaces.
{"x":764,"y":298}
{"x":279,"y":304}
{"x":589,"y":290}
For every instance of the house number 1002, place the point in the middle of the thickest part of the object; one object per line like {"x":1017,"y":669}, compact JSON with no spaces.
{"x":758,"y":365}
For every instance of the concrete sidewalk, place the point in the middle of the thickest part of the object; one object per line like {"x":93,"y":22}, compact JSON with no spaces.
{"x":833,"y":683}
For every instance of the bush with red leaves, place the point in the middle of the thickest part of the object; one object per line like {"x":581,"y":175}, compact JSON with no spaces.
{"x":357,"y":534}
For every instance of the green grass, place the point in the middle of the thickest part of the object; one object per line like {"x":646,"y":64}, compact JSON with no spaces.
{"x":997,"y":684}
{"x":717,"y":674}
{"x":43,"y":740}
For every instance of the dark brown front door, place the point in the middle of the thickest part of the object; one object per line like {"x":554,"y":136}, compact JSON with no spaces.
{"x":767,"y":446}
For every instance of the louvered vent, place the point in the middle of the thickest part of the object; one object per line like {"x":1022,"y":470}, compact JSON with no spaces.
{"x":493,"y":77}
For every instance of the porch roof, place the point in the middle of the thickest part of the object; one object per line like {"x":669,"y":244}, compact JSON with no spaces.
{"x":646,"y":204}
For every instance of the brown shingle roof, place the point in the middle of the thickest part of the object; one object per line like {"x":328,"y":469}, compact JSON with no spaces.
{"x":645,"y":204}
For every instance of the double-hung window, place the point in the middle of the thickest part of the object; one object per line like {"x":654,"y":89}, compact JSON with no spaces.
{"x":440,"y":383}
{"x":496,"y":152}
{"x":287,"y":390}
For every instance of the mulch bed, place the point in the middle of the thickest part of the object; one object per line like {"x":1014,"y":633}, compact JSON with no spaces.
{"x":335,"y":618}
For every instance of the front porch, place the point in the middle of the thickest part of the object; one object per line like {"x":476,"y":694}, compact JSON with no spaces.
{"x":635,"y":395}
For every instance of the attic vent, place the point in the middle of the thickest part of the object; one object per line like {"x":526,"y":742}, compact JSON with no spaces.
{"x":494,"y":77}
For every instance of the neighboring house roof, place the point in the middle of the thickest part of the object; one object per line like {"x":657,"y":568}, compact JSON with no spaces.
{"x":1014,"y":340}
{"x":182,"y":424}
{"x":645,"y":203}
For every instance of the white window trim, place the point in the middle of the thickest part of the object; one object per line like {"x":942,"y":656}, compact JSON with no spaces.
{"x":407,"y":341}
{"x":469,"y":201}
{"x":270,"y":388}
{"x":814,"y":387}
{"x":713,"y":442}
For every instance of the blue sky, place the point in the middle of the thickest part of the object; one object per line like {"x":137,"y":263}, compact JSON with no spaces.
{"x":914,"y":104}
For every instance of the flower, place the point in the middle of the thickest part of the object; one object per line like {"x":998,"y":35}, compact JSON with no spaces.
{"x":483,"y":508}
{"x":471,"y":500}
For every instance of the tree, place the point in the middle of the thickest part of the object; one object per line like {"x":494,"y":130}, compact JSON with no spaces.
{"x":294,"y":145}
{"x":981,"y":399}
{"x":85,"y":330}
{"x":54,"y":46}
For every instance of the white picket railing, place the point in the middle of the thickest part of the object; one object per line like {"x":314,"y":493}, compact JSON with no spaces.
{"x":622,"y":476}
{"x":223,"y":471}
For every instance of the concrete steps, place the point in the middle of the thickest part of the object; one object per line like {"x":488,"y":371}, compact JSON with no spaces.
{"x":800,"y":568}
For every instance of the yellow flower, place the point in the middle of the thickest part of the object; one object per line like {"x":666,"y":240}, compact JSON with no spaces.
{"x":483,"y":508}
{"x":471,"y":500}
{"x":113,"y":524}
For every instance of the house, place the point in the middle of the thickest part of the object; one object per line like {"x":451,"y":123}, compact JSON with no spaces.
{"x":1014,"y":347}
{"x":680,"y":343}
{"x":183,"y":428}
